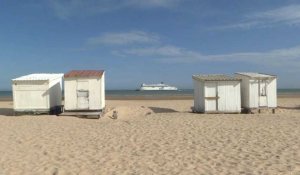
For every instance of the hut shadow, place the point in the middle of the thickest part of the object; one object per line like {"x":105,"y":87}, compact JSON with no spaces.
{"x":6,"y":112}
{"x":162,"y":110}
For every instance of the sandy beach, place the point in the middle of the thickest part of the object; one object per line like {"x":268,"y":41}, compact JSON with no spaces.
{"x":152,"y":137}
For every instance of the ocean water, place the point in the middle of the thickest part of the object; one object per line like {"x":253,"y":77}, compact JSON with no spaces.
{"x":117,"y":93}
{"x":132,"y":93}
{"x":128,"y":93}
{"x":5,"y":94}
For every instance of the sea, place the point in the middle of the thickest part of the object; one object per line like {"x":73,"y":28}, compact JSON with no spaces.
{"x":179,"y":93}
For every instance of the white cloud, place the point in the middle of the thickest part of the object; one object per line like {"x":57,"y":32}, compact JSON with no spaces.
{"x":278,"y":57}
{"x":287,"y":15}
{"x":148,"y":45}
{"x":124,"y":38}
{"x":168,"y":52}
{"x":65,"y":9}
{"x":153,"y":3}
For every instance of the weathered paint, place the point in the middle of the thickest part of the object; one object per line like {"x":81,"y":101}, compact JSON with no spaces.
{"x":217,"y":96}
{"x":211,"y":93}
{"x":253,"y":94}
{"x":41,"y":95}
{"x":77,"y":87}
{"x":229,"y":94}
{"x":272,"y":93}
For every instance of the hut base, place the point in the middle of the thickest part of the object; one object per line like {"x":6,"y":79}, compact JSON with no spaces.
{"x":84,"y":114}
{"x":215,"y":112}
{"x":52,"y":111}
{"x":259,"y":110}
{"x":222,"y":112}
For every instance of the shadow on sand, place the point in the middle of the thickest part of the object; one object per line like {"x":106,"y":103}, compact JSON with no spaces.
{"x":6,"y":111}
{"x":162,"y":110}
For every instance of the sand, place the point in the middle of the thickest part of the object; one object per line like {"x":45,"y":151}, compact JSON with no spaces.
{"x":152,"y":137}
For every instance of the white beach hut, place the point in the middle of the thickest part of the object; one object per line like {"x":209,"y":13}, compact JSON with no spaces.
{"x":84,"y":90}
{"x":258,"y":90}
{"x":216,"y":94}
{"x":37,"y":93}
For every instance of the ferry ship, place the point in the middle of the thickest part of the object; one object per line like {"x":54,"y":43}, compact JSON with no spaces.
{"x":157,"y":87}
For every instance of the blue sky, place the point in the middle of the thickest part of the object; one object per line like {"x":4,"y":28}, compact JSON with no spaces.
{"x":149,"y":41}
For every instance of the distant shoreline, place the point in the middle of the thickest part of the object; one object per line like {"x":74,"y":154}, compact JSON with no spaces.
{"x":163,"y":97}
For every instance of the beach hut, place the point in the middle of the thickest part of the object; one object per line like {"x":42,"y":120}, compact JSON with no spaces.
{"x":258,"y":90}
{"x":84,"y":91}
{"x":37,"y":93}
{"x":216,"y":93}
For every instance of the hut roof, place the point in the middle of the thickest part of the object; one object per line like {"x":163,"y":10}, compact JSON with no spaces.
{"x":84,"y":73}
{"x":215,"y":77}
{"x":256,"y":75}
{"x":38,"y":76}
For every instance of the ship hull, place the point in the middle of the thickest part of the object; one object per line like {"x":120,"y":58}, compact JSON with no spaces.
{"x":158,"y":89}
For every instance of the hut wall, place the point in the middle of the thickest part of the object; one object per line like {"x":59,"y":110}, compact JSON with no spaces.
{"x":95,"y":94}
{"x":272,"y":93}
{"x":229,"y":94}
{"x":245,"y":91}
{"x":102,"y":94}
{"x":55,"y":92}
{"x":210,"y":94}
{"x":253,"y":94}
{"x":30,"y":95}
{"x":94,"y":86}
{"x":206,"y":95}
{"x":198,"y":96}
{"x":250,"y":92}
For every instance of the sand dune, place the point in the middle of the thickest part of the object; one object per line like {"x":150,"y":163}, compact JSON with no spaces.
{"x":152,"y":137}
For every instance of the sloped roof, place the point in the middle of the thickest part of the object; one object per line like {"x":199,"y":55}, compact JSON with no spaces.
{"x":215,"y":77}
{"x":256,"y":75}
{"x":38,"y":76}
{"x":84,"y":73}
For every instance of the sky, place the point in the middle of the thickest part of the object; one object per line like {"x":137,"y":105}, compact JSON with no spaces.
{"x":150,"y":41}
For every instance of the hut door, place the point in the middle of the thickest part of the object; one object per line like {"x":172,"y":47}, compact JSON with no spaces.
{"x":262,"y":93}
{"x":211,"y":97}
{"x":82,"y":95}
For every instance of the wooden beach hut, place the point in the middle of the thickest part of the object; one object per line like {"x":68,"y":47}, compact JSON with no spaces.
{"x":216,"y":93}
{"x":37,"y":93}
{"x":259,"y":91}
{"x":84,"y":91}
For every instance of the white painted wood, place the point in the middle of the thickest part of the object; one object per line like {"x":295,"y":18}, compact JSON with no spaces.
{"x":55,"y":92}
{"x":70,"y":94}
{"x":37,"y":92}
{"x":245,"y":92}
{"x":210,"y":96}
{"x":83,"y":94}
{"x":272,"y":93}
{"x":258,"y":90}
{"x":95,"y":100}
{"x":262,"y":86}
{"x":229,"y":96}
{"x":94,"y":86}
{"x":102,"y":94}
{"x":253,"y":94}
{"x":223,"y":96}
{"x":82,"y":99}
